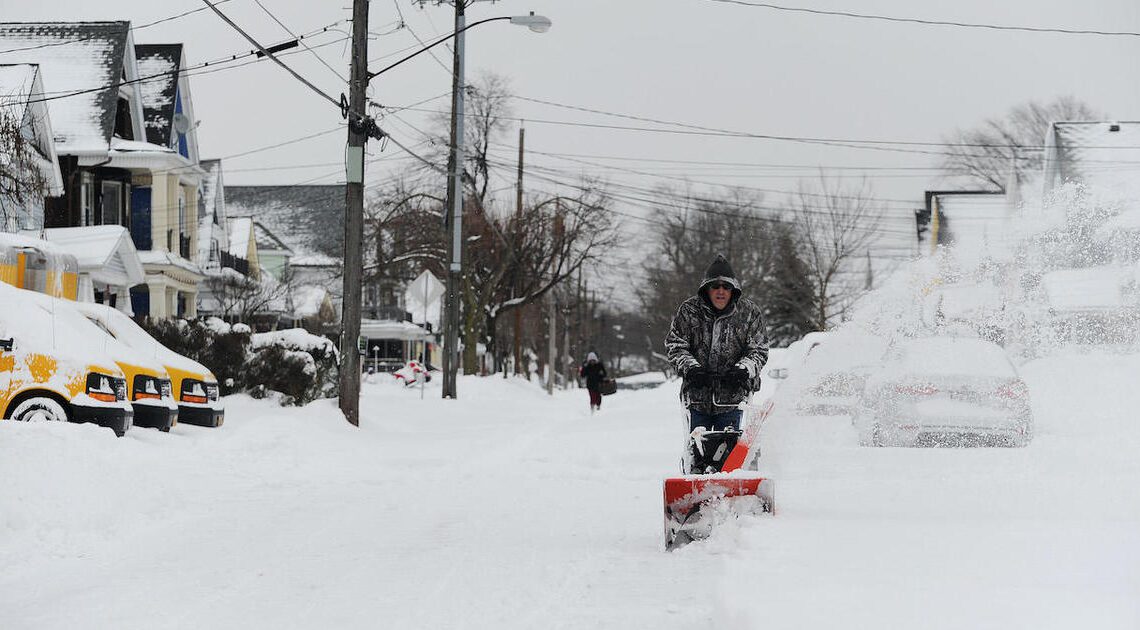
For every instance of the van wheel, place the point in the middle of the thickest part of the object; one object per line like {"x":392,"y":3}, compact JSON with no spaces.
{"x":39,"y":410}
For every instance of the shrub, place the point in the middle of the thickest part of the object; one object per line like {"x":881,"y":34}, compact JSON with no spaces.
{"x":299,"y":365}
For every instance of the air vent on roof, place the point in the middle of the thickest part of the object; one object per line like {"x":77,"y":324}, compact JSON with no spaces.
{"x":1114,"y":127}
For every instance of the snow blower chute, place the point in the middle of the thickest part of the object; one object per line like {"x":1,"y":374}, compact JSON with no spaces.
{"x":718,"y":486}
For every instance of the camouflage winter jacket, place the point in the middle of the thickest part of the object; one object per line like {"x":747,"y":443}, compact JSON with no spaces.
{"x":699,"y":337}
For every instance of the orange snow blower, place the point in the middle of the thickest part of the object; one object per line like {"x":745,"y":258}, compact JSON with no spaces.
{"x":718,"y":486}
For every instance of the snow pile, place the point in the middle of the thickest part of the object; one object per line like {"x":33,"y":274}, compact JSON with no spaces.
{"x":290,"y":517}
{"x":293,"y":339}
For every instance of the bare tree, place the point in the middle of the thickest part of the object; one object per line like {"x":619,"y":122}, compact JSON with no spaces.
{"x":243,"y":298}
{"x":984,"y":154}
{"x":22,"y":179}
{"x":833,"y":227}
{"x":750,"y":235}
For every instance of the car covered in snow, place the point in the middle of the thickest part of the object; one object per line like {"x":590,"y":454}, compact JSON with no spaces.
{"x":829,"y":380}
{"x":55,"y":364}
{"x":945,"y":391}
{"x":195,"y":388}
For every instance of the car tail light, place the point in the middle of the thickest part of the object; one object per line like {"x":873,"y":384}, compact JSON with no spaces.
{"x":103,"y":388}
{"x":1013,"y":390}
{"x":916,"y":389}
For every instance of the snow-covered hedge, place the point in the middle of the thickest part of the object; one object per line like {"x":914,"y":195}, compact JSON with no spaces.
{"x":302,"y":367}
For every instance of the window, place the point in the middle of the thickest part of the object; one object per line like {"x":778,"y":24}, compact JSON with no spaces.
{"x":123,"y":125}
{"x":112,"y":204}
{"x":87,"y":199}
{"x":181,"y":211}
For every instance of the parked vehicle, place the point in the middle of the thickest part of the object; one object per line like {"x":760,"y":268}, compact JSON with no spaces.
{"x":834,"y":373}
{"x":37,"y":265}
{"x":148,"y":383}
{"x":54,"y":364}
{"x":945,"y":391}
{"x":195,"y":387}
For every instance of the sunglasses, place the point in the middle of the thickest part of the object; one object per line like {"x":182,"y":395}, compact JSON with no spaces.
{"x":721,"y":285}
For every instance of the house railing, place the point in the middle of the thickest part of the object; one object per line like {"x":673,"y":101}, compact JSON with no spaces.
{"x":239,"y":265}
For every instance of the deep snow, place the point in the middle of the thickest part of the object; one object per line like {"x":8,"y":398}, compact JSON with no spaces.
{"x":512,"y":509}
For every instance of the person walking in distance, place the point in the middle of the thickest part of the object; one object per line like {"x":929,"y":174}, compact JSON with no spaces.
{"x":594,"y":372}
{"x":717,"y":344}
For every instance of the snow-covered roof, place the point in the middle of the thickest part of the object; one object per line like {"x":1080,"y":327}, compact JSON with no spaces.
{"x":384,"y":329}
{"x":158,"y":257}
{"x":308,"y":299}
{"x":1091,"y":289}
{"x":240,"y":229}
{"x":1093,"y":153}
{"x":161,"y":61}
{"x":975,"y":224}
{"x":21,"y":89}
{"x":267,"y":241}
{"x":212,"y":225}
{"x":82,"y":60}
{"x":308,"y":219}
{"x":105,"y":252}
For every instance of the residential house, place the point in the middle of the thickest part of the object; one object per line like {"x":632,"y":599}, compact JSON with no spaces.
{"x":309,"y":222}
{"x":243,"y":243}
{"x":1098,"y":155}
{"x":27,"y":149}
{"x":272,"y":254}
{"x":976,"y":223}
{"x":125,"y":157}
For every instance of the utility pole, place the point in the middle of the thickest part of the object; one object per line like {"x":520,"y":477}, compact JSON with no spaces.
{"x":354,"y":218}
{"x":455,"y":203}
{"x":566,"y":344}
{"x":552,"y":348}
{"x":518,"y":215}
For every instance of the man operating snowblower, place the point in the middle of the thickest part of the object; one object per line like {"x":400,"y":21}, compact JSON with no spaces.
{"x":717,"y":344}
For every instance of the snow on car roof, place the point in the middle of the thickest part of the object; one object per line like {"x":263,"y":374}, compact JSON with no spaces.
{"x":44,"y":322}
{"x":131,"y":334}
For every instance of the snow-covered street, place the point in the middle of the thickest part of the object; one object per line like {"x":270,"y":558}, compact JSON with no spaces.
{"x":510,"y":509}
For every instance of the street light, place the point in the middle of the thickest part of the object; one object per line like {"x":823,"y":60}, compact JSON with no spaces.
{"x":537,"y":24}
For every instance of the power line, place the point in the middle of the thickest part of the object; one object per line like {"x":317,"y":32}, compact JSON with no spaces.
{"x":61,"y":94}
{"x":303,"y":44}
{"x":271,"y":55}
{"x":778,"y":137}
{"x":871,"y":145}
{"x":906,"y":20}
{"x":92,"y":36}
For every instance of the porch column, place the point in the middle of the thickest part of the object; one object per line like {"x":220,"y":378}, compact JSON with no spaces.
{"x":191,"y":304}
{"x":158,"y":309}
{"x":123,"y":299}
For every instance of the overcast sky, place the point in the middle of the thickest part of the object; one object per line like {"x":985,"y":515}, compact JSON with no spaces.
{"x":707,"y":63}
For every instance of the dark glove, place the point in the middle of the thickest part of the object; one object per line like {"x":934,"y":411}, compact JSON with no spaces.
{"x":736,"y":376}
{"x":698,"y":377}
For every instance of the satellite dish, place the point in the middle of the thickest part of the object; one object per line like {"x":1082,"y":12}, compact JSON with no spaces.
{"x":181,"y":122}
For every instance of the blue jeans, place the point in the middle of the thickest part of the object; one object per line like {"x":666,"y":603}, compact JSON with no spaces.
{"x":715,"y":421}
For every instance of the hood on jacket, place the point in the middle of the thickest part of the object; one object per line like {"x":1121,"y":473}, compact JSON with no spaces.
{"x":720,"y":271}
{"x":591,"y":357}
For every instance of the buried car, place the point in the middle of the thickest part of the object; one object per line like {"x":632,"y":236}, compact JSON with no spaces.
{"x":54,"y":364}
{"x":945,"y":391}
{"x":195,"y":388}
